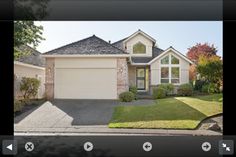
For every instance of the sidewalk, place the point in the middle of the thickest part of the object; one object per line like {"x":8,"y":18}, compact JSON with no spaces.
{"x":104,"y":130}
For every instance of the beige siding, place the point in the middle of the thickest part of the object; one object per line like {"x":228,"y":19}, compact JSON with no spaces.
{"x":85,"y":78}
{"x":184,"y":66}
{"x":155,"y":70}
{"x":139,"y":38}
{"x":25,"y":71}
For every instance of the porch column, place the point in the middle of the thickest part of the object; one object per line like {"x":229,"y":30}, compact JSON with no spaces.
{"x":49,"y":80}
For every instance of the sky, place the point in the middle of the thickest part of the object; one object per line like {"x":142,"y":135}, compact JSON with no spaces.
{"x":179,"y":34}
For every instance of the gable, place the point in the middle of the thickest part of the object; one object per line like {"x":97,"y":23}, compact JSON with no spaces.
{"x":174,"y":52}
{"x":139,"y":39}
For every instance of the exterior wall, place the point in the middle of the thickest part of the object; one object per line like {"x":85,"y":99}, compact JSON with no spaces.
{"x":25,"y":71}
{"x":122,"y":76}
{"x":139,"y":38}
{"x":156,"y":70}
{"x":49,"y":84}
{"x":120,"y":64}
{"x":184,"y":69}
{"x":85,"y":63}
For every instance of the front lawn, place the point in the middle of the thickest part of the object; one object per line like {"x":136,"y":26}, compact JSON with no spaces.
{"x":169,"y":113}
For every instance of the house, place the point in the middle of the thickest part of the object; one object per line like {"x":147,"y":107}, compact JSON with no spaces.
{"x":31,"y":65}
{"x":95,"y":69}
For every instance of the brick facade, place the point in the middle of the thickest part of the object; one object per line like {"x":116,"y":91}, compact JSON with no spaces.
{"x":49,"y":81}
{"x":122,"y":76}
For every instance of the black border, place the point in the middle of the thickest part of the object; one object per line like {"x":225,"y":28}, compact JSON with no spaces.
{"x":6,"y":68}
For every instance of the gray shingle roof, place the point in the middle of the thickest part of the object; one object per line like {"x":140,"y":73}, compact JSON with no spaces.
{"x":119,"y":44}
{"x":156,"y":52}
{"x":34,"y":58}
{"x":90,"y":45}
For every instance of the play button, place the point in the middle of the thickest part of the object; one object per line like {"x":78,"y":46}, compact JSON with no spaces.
{"x":88,"y":146}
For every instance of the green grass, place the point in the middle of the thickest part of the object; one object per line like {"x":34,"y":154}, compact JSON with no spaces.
{"x":169,"y":113}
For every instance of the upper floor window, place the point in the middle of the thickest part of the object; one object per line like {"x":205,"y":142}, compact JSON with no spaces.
{"x":165,"y":60}
{"x":139,"y":48}
{"x":172,"y":58}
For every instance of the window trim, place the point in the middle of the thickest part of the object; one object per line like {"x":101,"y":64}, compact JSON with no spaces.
{"x":170,"y":66}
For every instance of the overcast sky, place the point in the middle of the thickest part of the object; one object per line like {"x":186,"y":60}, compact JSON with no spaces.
{"x":180,"y":35}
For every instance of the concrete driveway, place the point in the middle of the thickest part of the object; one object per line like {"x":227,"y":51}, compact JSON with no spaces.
{"x":67,"y":113}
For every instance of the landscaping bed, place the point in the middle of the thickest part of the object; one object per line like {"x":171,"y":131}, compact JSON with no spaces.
{"x":168,"y":113}
{"x":22,"y":106}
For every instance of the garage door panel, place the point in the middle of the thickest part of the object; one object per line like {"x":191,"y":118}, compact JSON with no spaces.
{"x":85,"y":83}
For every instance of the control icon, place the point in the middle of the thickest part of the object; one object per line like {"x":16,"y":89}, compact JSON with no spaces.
{"x":9,"y":147}
{"x":206,"y":146}
{"x":88,"y":146}
{"x":147,"y":146}
{"x":226,"y":147}
{"x":29,"y":146}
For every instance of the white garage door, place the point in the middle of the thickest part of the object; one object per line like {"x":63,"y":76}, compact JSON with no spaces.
{"x":80,"y":79}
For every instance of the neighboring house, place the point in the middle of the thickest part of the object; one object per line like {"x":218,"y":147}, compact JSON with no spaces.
{"x":33,"y":66}
{"x":95,"y":69}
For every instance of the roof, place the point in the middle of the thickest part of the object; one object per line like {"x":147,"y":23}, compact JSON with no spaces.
{"x":119,"y":44}
{"x":90,"y":46}
{"x":140,"y":32}
{"x":34,"y":58}
{"x":156,"y":52}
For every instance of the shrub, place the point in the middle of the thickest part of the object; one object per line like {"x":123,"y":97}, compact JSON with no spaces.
{"x":169,"y":88}
{"x":17,"y":105}
{"x":199,"y":84}
{"x":134,"y":90}
{"x":126,"y":97}
{"x":185,"y":90}
{"x":210,"y":88}
{"x":158,"y":93}
{"x":29,"y":87}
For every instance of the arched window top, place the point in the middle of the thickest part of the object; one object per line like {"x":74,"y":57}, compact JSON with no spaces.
{"x":165,"y":60}
{"x":139,"y":48}
{"x":169,"y":59}
{"x":174,"y":60}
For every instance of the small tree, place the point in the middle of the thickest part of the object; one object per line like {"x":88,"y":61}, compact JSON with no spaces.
{"x":29,"y":87}
{"x":211,"y":69}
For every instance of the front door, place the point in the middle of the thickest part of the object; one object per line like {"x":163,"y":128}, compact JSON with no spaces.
{"x":140,"y":78}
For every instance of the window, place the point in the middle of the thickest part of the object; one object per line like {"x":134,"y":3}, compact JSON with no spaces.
{"x":165,"y":60}
{"x":170,"y":70}
{"x":174,"y":60}
{"x":175,"y":75}
{"x":164,"y":75}
{"x":139,"y":48}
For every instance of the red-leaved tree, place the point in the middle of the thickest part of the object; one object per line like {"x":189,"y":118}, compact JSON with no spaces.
{"x":195,"y":52}
{"x":201,"y":50}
